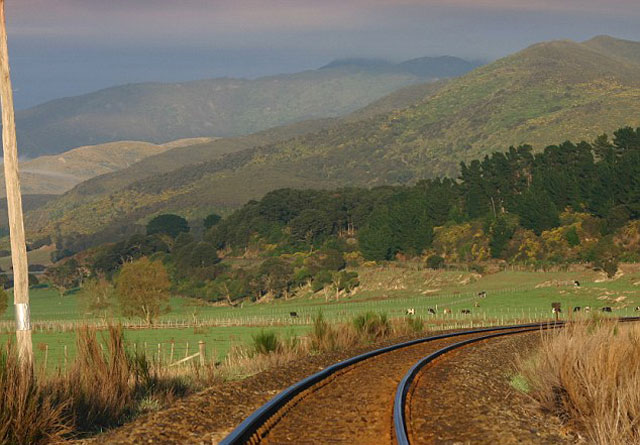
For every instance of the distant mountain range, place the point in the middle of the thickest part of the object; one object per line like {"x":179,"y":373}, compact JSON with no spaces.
{"x":223,"y":107}
{"x":426,"y":67}
{"x":545,"y":94}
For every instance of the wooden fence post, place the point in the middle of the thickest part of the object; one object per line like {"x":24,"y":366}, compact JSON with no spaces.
{"x":201,"y":348}
{"x":46,"y":357}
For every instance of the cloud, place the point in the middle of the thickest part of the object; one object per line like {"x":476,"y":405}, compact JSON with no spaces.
{"x":94,"y":17}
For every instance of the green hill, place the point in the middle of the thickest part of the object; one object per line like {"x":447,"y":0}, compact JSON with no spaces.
{"x":544,"y":94}
{"x":224,"y":107}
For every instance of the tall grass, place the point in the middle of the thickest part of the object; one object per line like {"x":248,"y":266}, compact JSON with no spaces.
{"x":588,"y":374}
{"x":105,"y":386}
{"x":373,"y":325}
{"x":28,"y":413}
{"x":108,"y":384}
{"x":266,"y":342}
{"x":102,"y":382}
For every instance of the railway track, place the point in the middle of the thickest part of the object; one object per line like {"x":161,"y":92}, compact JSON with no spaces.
{"x":362,"y":399}
{"x":340,"y":405}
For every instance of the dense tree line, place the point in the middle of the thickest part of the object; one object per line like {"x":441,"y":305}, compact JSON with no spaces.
{"x":516,"y":189}
{"x":570,"y":202}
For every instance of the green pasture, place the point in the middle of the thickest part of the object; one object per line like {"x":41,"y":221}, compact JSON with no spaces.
{"x":393,"y":290}
{"x":217,"y":342}
{"x":511,"y":296}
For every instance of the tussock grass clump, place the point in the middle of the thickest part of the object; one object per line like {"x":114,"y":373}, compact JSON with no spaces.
{"x":29,"y":414}
{"x":414,"y":324}
{"x":373,"y":325}
{"x":588,"y":374}
{"x":101,"y":384}
{"x":266,"y":342}
{"x":326,"y":337}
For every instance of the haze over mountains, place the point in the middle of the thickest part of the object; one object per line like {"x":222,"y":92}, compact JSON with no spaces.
{"x":222,"y":107}
{"x":545,"y":94}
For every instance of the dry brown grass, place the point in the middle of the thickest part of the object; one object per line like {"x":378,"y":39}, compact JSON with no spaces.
{"x":28,"y":413}
{"x":588,"y":374}
{"x":109,"y":384}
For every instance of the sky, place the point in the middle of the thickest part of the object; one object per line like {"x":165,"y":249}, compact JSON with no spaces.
{"x":60,"y":48}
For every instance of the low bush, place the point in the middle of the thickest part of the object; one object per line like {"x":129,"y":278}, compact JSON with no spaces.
{"x":435,"y":262}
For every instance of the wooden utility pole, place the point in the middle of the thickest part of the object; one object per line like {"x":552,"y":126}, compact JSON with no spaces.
{"x":14,"y":204}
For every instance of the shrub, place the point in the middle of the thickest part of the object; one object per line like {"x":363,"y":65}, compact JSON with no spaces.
{"x":435,"y":262}
{"x":572,"y":237}
{"x":373,"y":325}
{"x":266,"y":342}
{"x":320,"y":280}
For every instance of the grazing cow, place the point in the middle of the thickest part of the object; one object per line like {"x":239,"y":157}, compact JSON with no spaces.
{"x":482,"y":294}
{"x":293,"y":314}
{"x":606,"y":309}
{"x":577,"y":309}
{"x":446,"y":310}
{"x":476,"y":304}
{"x":587,"y":308}
{"x":431,"y":311}
{"x":556,"y":310}
{"x":411,"y":311}
{"x":576,"y":283}
{"x":465,"y":311}
{"x":637,"y":308}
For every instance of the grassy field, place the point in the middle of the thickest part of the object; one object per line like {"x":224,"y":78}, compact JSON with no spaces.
{"x":511,"y":296}
{"x":218,"y":341}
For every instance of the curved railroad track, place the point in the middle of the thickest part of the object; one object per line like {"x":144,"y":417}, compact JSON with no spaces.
{"x":341,"y":404}
{"x":363,"y":399}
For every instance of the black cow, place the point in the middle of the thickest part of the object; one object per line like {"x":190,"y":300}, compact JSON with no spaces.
{"x":606,"y":309}
{"x":465,"y":311}
{"x":293,"y":314}
{"x":577,"y":309}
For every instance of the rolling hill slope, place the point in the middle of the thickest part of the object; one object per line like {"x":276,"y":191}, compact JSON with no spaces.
{"x":544,"y":94}
{"x":56,"y":174}
{"x":223,"y":107}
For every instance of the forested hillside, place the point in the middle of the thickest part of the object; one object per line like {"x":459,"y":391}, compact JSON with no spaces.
{"x":573,"y":202}
{"x":547,"y":93}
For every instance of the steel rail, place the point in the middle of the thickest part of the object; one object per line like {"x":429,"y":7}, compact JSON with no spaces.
{"x":399,"y":405}
{"x":244,"y":432}
{"x":400,"y":400}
